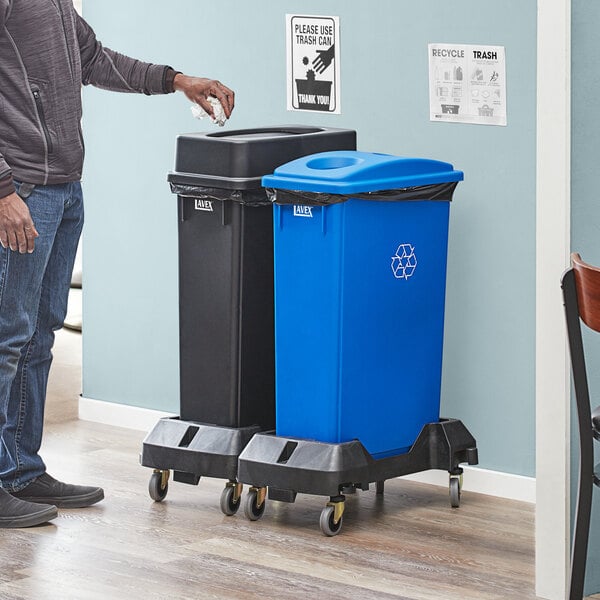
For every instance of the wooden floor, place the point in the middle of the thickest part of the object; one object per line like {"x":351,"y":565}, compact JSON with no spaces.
{"x":408,"y":544}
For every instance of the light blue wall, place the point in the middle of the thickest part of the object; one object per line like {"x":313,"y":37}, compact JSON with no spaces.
{"x":585,"y":209}
{"x":130,"y":309}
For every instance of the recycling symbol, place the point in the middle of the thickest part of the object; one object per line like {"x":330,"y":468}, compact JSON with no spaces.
{"x":404,"y":262}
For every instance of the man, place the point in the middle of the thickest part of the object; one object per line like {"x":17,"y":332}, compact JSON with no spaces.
{"x":47,"y":51}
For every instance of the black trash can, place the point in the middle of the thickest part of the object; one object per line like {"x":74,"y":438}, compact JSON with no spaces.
{"x":226,"y":323}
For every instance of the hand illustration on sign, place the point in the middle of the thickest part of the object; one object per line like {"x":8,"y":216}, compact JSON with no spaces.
{"x":324,"y":59}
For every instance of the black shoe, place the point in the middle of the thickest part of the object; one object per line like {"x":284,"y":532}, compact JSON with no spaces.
{"x":18,"y":513}
{"x":47,"y":490}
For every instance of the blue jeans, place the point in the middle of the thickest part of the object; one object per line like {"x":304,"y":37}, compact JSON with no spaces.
{"x":34,"y":290}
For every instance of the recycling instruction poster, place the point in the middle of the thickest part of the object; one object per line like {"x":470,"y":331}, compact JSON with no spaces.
{"x":313,"y":64}
{"x":467,"y":84}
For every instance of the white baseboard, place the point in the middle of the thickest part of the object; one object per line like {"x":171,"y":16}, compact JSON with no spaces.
{"x":119,"y":415}
{"x":482,"y":481}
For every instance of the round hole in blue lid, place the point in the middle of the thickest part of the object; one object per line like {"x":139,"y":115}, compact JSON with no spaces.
{"x":332,"y":162}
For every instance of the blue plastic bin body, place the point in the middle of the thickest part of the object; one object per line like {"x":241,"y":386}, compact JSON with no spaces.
{"x":359,"y":301}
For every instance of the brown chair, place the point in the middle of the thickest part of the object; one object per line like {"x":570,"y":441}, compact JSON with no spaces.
{"x":581,"y":292}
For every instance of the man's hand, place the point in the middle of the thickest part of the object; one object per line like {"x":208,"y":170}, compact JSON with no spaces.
{"x":17,"y":230}
{"x":197,"y":89}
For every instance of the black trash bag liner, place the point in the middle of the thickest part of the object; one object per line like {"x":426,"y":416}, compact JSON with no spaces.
{"x":436,"y":191}
{"x":257,"y":197}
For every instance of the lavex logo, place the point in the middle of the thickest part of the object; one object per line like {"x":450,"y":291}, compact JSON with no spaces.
{"x":302,"y":211}
{"x":205,"y":205}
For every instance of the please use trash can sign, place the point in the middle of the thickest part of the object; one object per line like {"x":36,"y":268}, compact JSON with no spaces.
{"x":313,"y":65}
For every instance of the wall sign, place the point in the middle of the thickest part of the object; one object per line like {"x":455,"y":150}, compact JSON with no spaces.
{"x":467,"y":84}
{"x":313,"y":64}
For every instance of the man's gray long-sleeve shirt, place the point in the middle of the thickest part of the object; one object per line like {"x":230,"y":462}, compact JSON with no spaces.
{"x":47,"y":51}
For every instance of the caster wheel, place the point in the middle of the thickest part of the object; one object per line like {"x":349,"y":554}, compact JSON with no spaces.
{"x":229,"y":505}
{"x":327,"y":522}
{"x":455,"y":492}
{"x":251,"y":508}
{"x":158,"y":485}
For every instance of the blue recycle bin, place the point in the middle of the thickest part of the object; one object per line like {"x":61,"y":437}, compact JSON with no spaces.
{"x":360,"y":273}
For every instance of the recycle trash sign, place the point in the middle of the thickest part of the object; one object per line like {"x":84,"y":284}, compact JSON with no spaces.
{"x":467,"y":84}
{"x":313,"y":64}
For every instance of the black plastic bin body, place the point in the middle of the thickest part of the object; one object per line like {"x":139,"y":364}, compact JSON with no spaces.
{"x":225,"y":313}
{"x":226,"y":268}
